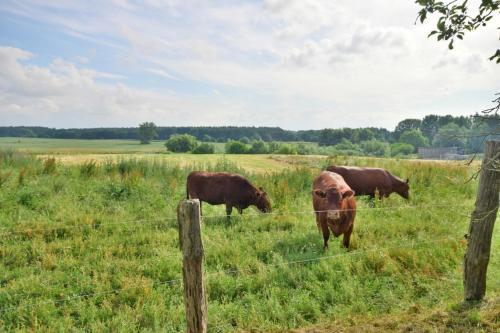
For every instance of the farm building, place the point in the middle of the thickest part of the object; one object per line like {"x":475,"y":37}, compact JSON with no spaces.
{"x":441,"y":153}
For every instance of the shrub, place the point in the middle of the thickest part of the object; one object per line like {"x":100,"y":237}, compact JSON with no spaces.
{"x":346,"y":147}
{"x":181,"y":143}
{"x":204,"y":148}
{"x":236,"y":147}
{"x":401,"y":149}
{"x":258,"y":147}
{"x":375,"y":148}
{"x":287,"y":150}
{"x":415,"y":138}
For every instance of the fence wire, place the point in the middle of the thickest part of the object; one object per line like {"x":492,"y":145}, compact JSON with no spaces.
{"x":210,"y":274}
{"x":97,"y":226}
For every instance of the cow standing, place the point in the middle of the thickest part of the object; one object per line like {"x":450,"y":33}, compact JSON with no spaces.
{"x":217,"y":188}
{"x":335,"y":206}
{"x":368,"y":181}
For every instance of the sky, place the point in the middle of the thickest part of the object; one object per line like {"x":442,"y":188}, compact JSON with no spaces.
{"x":296,"y":64}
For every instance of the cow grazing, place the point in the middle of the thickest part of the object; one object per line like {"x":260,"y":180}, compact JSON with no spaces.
{"x":335,"y":206}
{"x":217,"y":188}
{"x":367,"y":181}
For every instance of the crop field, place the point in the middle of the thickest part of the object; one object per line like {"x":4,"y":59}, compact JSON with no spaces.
{"x":90,"y":243}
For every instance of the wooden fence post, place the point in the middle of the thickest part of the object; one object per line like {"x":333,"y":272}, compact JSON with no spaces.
{"x":481,"y":225}
{"x":188,"y":217}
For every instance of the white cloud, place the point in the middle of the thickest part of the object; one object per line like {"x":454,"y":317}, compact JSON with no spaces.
{"x":65,"y":95}
{"x":292,"y":63}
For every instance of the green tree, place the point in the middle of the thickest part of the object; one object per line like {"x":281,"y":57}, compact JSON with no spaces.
{"x":236,"y":147}
{"x":147,"y":132}
{"x":450,"y":135}
{"x":455,"y":18}
{"x":375,"y":148}
{"x":405,"y":125}
{"x":181,"y":143}
{"x":258,"y":147}
{"x":204,"y":148}
{"x":287,"y":150}
{"x":414,"y":137}
{"x":401,"y":149}
{"x":346,"y":147}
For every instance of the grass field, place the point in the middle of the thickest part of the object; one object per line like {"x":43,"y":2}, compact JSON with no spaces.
{"x":73,"y":146}
{"x":88,"y":246}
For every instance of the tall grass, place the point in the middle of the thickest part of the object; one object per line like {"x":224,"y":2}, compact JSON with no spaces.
{"x":94,"y":247}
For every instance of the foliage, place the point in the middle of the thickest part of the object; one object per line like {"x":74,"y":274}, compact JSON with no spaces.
{"x":450,"y":135}
{"x":181,"y":143}
{"x":401,"y":149}
{"x":405,"y":125}
{"x":147,"y":132}
{"x":414,"y":138}
{"x":455,"y":19}
{"x":375,"y":148}
{"x":204,"y":148}
{"x":287,"y":149}
{"x":258,"y":147}
{"x":236,"y":147}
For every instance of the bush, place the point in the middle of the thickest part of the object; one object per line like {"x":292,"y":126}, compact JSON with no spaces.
{"x":258,"y":147}
{"x":375,"y":148}
{"x":236,"y":147}
{"x":181,"y":143}
{"x":346,"y":147}
{"x":204,"y":148}
{"x":274,"y":147}
{"x":415,"y":138}
{"x":401,"y":149}
{"x":287,"y":150}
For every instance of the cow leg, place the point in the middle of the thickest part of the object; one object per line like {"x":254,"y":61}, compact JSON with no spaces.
{"x":229,"y":209}
{"x":326,"y":235}
{"x":347,"y":237}
{"x":240,"y":210}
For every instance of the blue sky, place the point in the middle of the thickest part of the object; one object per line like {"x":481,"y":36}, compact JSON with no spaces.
{"x":297,"y":64}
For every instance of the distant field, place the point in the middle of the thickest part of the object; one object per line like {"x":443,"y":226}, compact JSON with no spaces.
{"x":71,"y":146}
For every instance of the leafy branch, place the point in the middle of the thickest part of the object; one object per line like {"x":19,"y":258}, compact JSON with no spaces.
{"x":455,"y":19}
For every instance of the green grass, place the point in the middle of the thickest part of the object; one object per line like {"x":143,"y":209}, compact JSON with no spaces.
{"x":73,"y":146}
{"x":94,"y":247}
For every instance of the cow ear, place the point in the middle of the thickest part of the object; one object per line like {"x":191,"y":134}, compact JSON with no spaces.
{"x":319,"y":193}
{"x":348,"y":194}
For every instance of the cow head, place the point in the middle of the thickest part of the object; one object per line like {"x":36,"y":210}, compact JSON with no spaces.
{"x":262,"y":201}
{"x":403,"y":189}
{"x":331,"y":204}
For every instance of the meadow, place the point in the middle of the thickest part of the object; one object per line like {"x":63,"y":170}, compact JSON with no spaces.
{"x":89,"y":245}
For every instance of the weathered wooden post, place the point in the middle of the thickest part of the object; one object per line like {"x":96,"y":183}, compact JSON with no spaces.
{"x":188,"y":217}
{"x":481,"y":225}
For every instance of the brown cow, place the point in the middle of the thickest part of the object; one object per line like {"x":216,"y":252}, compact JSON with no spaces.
{"x":217,"y":188}
{"x":335,"y":206}
{"x":367,"y":181}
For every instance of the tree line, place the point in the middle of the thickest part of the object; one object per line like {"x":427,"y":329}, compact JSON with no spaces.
{"x":466,"y":133}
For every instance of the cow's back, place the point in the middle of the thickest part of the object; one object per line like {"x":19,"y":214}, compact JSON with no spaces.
{"x":364,"y":181}
{"x":216,"y":188}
